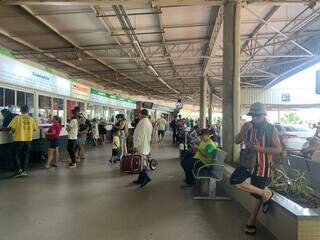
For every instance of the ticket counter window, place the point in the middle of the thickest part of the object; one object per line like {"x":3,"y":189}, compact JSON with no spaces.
{"x":30,"y":103}
{"x":1,"y":97}
{"x":24,"y":98}
{"x":98,"y":112}
{"x":58,"y":108}
{"x":130,"y":116}
{"x":106,"y":113}
{"x":9,"y":99}
{"x":90,"y":111}
{"x":112,"y":116}
{"x":45,"y":110}
{"x":71,"y":105}
{"x":1,"y":105}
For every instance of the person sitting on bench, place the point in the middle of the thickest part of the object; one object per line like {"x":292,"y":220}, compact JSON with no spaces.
{"x":205,"y":154}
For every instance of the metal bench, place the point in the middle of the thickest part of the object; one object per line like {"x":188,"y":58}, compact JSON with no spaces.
{"x":210,"y":174}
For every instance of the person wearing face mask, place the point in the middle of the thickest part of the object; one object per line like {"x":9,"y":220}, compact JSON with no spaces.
{"x":261,"y":145}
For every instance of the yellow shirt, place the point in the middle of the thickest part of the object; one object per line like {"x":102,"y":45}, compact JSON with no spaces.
{"x":23,"y":127}
{"x":115,"y":142}
{"x":210,"y":148}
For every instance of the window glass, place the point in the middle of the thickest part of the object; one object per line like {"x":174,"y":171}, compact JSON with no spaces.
{"x":106,"y":113}
{"x":90,"y":111}
{"x":30,"y":103}
{"x":70,"y":106}
{"x":98,"y":113}
{"x":1,"y":97}
{"x":45,"y":110}
{"x":58,"y":108}
{"x":112,"y":115}
{"x":21,"y":98}
{"x":1,"y":104}
{"x":9,"y":99}
{"x":81,"y":105}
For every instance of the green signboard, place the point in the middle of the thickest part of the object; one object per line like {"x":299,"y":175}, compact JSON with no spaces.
{"x":106,"y":98}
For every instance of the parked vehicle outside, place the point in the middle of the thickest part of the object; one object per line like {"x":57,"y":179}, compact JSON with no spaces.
{"x":294,"y":136}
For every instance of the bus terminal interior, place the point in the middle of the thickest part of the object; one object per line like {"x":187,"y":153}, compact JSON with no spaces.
{"x":134,"y":119}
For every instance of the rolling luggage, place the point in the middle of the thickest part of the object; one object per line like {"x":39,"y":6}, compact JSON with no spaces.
{"x":131,"y":163}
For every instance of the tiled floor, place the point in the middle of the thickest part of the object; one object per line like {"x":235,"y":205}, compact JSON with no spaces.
{"x":97,"y":202}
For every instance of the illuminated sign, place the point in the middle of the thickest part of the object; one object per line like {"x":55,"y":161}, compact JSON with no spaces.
{"x":80,"y":91}
{"x":20,"y":74}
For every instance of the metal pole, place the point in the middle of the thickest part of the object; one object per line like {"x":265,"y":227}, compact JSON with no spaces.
{"x":231,"y":78}
{"x":203,"y":100}
{"x":210,"y":108}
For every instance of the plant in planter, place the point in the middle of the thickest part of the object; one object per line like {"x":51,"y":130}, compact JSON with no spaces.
{"x":297,"y":187}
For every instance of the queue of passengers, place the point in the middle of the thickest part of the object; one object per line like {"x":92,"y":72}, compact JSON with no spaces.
{"x":80,"y":132}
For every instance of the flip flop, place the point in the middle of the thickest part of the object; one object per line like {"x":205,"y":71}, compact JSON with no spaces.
{"x":267,"y":204}
{"x":250,"y":230}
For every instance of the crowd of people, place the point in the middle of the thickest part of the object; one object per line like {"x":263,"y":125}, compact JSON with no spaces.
{"x":259,"y":137}
{"x":81,"y":132}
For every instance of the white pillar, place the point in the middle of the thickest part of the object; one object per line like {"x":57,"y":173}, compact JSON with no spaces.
{"x":210,"y":108}
{"x":231,"y":79}
{"x":203,"y":102}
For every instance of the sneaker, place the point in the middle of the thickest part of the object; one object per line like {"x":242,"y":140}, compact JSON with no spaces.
{"x":19,"y":174}
{"x":25,"y":174}
{"x":110,"y":162}
{"x":72,"y":165}
{"x":145,"y":182}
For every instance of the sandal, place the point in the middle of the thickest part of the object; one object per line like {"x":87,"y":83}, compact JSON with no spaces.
{"x":267,"y":204}
{"x":250,"y":230}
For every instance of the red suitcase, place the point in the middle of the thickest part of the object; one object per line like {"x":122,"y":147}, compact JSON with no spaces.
{"x":131,"y":163}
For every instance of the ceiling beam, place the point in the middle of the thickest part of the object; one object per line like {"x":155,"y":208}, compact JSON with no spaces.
{"x":69,"y":64}
{"x":109,"y":3}
{"x":70,"y":41}
{"x":145,"y":3}
{"x":214,"y":41}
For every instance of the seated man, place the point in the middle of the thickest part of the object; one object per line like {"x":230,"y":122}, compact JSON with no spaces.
{"x":311,"y":146}
{"x":205,"y":154}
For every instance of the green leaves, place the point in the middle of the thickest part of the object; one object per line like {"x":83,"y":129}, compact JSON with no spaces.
{"x":297,"y":185}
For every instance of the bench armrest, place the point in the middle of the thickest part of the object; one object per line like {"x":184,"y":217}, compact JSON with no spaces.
{"x":194,"y":165}
{"x":215,"y":169}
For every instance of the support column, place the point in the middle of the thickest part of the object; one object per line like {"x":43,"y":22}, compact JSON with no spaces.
{"x":210,"y":108}
{"x":203,"y":102}
{"x":231,"y":79}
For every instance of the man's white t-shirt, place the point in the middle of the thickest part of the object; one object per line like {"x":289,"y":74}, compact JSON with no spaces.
{"x":142,"y":136}
{"x":162,"y":123}
{"x":74,"y":129}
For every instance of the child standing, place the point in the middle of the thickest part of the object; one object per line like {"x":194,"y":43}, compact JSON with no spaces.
{"x":115,"y":147}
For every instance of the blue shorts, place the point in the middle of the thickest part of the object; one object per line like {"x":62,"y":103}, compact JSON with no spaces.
{"x":54,"y":143}
{"x":81,"y":141}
